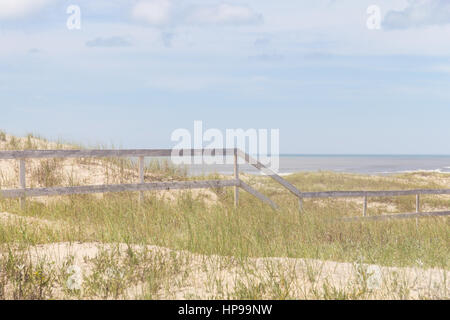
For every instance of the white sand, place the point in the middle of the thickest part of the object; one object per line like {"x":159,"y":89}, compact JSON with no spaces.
{"x":200,"y":274}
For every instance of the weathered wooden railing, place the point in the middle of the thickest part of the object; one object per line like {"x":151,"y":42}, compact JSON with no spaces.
{"x":395,"y":193}
{"x":352,"y":194}
{"x":140,"y":187}
{"x":237,"y":183}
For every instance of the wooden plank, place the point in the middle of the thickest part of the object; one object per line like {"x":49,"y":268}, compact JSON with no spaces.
{"x":258,"y":165}
{"x":257,"y":194}
{"x":365,"y":207}
{"x":399,"y":216}
{"x":141,"y":177}
{"x":236,"y":177}
{"x":357,"y":194}
{"x":22,"y":182}
{"x":40,"y":154}
{"x":417,"y":203}
{"x":141,"y":169}
{"x":16,"y":193}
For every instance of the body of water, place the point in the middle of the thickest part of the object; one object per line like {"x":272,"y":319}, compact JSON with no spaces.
{"x":365,"y":164}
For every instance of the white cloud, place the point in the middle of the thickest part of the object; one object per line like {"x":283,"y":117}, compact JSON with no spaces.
{"x":162,"y":12}
{"x":419,"y":13}
{"x":156,"y":12}
{"x":224,"y":14}
{"x":10,"y":9}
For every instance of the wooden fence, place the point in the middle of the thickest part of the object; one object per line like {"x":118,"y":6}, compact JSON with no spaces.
{"x":395,"y":193}
{"x":237,"y":183}
{"x":140,"y":186}
{"x":352,"y":194}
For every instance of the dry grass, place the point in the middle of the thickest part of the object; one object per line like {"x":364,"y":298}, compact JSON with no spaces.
{"x":197,"y":245}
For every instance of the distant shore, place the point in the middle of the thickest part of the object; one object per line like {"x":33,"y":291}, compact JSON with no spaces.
{"x":361,"y":164}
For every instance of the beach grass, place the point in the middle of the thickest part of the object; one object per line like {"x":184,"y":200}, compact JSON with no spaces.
{"x":208,"y":229}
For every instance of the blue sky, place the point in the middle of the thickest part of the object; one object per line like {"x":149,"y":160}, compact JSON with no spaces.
{"x":138,"y":70}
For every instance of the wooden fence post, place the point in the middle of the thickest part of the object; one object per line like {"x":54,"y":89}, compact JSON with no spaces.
{"x":300,"y":205}
{"x":365,"y":207}
{"x":22,"y":181}
{"x":141,"y":178}
{"x":417,"y":208}
{"x":236,"y":177}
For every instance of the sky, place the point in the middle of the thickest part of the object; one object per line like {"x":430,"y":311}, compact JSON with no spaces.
{"x":321,"y":72}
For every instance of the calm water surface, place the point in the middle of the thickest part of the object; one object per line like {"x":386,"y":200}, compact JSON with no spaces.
{"x":378,"y":164}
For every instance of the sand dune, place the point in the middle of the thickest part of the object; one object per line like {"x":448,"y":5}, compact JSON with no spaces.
{"x":208,"y":276}
{"x":199,"y":275}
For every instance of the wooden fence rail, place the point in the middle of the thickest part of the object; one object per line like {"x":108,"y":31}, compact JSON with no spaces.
{"x":137,"y":187}
{"x":400,"y":216}
{"x":140,"y":187}
{"x":360,"y":194}
{"x":392,"y":193}
{"x":42,"y":154}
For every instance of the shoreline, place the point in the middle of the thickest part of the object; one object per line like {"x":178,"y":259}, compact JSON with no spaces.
{"x":285,"y":174}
